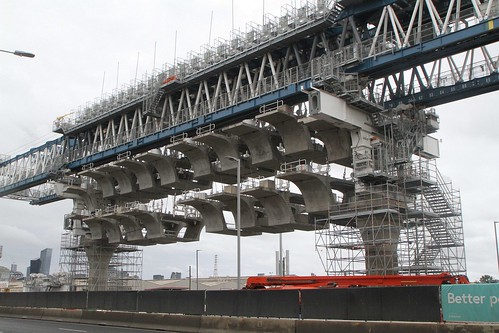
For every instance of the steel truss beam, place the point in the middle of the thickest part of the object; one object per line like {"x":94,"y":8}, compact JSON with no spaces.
{"x":378,"y":41}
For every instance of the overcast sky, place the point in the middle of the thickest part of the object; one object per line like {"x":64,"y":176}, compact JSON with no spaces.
{"x":78,"y":46}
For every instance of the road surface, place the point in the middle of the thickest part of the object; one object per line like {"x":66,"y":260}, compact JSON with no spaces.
{"x":15,"y":325}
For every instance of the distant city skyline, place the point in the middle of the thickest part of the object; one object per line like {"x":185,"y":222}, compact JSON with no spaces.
{"x":42,"y":264}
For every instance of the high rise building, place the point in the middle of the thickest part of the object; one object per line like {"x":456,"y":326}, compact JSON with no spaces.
{"x":45,"y":257}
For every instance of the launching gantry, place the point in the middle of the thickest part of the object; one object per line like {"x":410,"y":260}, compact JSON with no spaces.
{"x":328,"y":84}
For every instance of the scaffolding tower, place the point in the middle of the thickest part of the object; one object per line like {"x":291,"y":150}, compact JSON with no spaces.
{"x":124,"y":271}
{"x":404,"y":217}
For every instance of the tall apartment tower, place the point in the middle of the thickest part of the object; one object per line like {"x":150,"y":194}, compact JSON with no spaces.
{"x":45,"y":258}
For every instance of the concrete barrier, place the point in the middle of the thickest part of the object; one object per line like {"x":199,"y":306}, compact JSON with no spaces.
{"x":71,"y":316}
{"x":25,"y":313}
{"x":214,"y":324}
{"x":111,"y":318}
{"x":327,"y":326}
{"x":176,"y":323}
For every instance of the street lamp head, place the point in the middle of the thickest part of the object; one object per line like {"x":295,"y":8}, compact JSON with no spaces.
{"x":20,"y":53}
{"x":232,"y":158}
{"x":24,"y":54}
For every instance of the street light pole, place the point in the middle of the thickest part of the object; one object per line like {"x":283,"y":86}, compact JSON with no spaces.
{"x":197,"y":269}
{"x":238,"y":218}
{"x":20,"y":53}
{"x":497,"y":244}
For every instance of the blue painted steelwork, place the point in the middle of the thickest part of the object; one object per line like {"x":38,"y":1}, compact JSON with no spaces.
{"x":441,"y":95}
{"x":480,"y":34}
{"x":25,"y":184}
{"x":363,"y":8}
{"x":437,"y":48}
{"x":32,"y":151}
{"x":152,"y":140}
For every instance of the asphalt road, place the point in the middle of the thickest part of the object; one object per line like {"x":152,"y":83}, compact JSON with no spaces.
{"x":15,"y":325}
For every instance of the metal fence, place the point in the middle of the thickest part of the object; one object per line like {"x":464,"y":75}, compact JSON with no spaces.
{"x":420,"y":303}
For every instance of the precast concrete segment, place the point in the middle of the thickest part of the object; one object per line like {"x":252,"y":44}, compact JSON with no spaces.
{"x":132,"y":230}
{"x":155,"y":230}
{"x":212,"y":213}
{"x":175,"y":223}
{"x":143,"y":173}
{"x":127,"y":186}
{"x":249,"y":216}
{"x":260,"y":143}
{"x":76,"y":192}
{"x":170,"y":175}
{"x":337,"y":141}
{"x":192,"y":231}
{"x":102,"y":227}
{"x":198,"y":156}
{"x":278,"y":210}
{"x":106,"y":182}
{"x":295,"y":136}
{"x":213,"y":217}
{"x":224,"y":146}
{"x":315,"y":188}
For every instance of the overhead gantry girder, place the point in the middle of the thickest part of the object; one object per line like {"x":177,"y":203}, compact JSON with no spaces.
{"x":369,"y":38}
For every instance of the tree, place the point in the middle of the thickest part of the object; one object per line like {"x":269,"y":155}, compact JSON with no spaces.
{"x":488,"y":279}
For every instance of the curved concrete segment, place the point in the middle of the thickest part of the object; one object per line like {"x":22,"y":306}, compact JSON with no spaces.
{"x":212,"y":213}
{"x":198,"y":156}
{"x":213,"y":217}
{"x":132,"y":230}
{"x":280,"y":215}
{"x":223,"y":146}
{"x":106,"y":182}
{"x":76,"y":192}
{"x":337,"y":141}
{"x":261,"y":145}
{"x":295,"y":136}
{"x":126,"y":184}
{"x":172,"y":177}
{"x":315,"y":188}
{"x":143,"y":173}
{"x":102,"y":227}
{"x":156,"y":231}
{"x":250,"y":218}
{"x":174,"y":224}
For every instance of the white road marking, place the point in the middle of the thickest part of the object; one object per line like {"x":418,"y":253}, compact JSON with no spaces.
{"x":70,"y":330}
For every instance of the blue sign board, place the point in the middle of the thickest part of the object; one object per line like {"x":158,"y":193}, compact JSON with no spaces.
{"x":471,"y":302}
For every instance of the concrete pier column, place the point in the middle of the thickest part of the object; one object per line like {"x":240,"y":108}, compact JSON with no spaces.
{"x":99,"y":254}
{"x":380,"y":236}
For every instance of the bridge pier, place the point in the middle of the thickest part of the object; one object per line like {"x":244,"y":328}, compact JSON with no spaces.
{"x":99,"y":253}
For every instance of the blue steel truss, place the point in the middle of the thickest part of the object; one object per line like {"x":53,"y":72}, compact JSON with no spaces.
{"x":332,"y":25}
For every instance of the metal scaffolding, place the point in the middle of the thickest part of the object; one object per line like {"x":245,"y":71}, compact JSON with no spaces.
{"x":404,"y":217}
{"x":124,"y":272}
